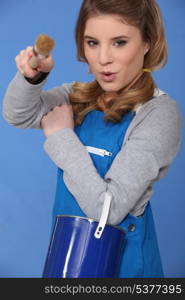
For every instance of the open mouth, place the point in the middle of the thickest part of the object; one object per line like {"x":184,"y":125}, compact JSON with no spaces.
{"x":107,"y":76}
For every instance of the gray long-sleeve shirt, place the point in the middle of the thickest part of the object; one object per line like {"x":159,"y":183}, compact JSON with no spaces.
{"x":150,"y":145}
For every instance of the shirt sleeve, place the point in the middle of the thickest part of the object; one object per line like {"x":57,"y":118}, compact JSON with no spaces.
{"x":25,"y":104}
{"x":151,"y":146}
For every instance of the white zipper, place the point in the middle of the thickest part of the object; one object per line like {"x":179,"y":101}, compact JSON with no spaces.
{"x":98,"y":151}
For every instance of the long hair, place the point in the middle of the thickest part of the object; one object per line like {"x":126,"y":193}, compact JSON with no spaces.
{"x":146,"y":16}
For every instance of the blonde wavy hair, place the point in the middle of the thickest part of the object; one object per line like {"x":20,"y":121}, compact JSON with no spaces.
{"x":145,"y":15}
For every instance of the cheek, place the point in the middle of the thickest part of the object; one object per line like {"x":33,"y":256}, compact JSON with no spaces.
{"x":88,"y":55}
{"x":132,"y":57}
{"x":91,"y":58}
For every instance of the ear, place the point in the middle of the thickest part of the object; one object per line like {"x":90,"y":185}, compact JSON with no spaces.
{"x":146,"y":48}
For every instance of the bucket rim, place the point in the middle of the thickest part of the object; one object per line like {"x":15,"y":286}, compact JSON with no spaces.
{"x":91,"y":220}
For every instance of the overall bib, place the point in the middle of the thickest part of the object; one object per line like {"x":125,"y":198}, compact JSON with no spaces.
{"x":141,"y":256}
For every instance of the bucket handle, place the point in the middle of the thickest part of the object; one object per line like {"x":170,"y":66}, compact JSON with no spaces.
{"x":104,"y":215}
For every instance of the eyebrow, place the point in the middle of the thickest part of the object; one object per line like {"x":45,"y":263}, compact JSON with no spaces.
{"x":112,"y":39}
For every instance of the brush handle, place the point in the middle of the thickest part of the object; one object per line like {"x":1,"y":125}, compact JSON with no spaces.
{"x":33,"y":62}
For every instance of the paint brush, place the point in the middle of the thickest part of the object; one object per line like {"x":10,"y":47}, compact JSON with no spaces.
{"x":42,"y":49}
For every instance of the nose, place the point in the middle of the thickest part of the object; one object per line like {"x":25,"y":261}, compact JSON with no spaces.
{"x":105,"y":55}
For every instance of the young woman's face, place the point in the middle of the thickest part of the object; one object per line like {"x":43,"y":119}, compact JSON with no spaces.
{"x":114,"y":51}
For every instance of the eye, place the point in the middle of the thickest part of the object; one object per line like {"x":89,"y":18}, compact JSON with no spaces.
{"x":120,"y":43}
{"x":91,"y":43}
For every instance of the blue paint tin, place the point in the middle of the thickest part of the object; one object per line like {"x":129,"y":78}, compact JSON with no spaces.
{"x":75,"y":252}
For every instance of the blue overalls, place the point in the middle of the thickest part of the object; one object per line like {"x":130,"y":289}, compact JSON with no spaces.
{"x":141,"y":256}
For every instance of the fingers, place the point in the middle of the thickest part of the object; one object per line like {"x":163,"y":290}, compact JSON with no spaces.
{"x":64,"y":108}
{"x":46,"y":65}
{"x":22,"y":62}
{"x":58,"y":118}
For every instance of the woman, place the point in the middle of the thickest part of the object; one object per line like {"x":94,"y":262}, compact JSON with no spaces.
{"x":119,"y":133}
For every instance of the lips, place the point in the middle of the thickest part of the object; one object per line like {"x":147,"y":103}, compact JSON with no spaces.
{"x":108,"y":76}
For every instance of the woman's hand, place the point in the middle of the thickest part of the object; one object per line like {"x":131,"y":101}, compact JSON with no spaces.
{"x":59,"y":118}
{"x":22,"y":62}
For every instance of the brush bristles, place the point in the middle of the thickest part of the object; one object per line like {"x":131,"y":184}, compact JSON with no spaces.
{"x":44,"y":44}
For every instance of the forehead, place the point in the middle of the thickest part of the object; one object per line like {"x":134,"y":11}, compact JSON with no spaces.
{"x":108,"y":25}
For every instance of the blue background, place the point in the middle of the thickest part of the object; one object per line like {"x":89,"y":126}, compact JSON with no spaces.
{"x":28,"y":177}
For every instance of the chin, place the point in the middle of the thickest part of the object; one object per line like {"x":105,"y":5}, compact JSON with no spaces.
{"x":110,"y":87}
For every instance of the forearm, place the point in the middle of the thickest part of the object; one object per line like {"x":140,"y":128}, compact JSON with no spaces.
{"x":25,"y":102}
{"x":22,"y":106}
{"x":88,"y":187}
{"x":69,"y":154}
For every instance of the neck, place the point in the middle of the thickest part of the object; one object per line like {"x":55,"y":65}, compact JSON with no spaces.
{"x":107,"y":96}
{"x":133,"y":81}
